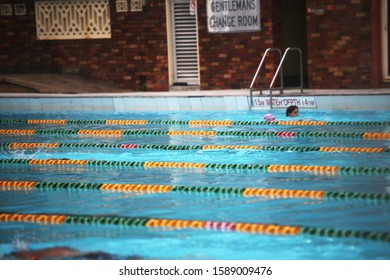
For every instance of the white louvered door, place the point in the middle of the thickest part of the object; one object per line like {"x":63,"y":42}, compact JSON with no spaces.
{"x":185,"y":44}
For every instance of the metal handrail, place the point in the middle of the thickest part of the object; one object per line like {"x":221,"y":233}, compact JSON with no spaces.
{"x":258,"y":71}
{"x":279,"y":69}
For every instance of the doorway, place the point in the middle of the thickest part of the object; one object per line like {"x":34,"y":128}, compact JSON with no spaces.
{"x":385,"y":40}
{"x":294,"y":35}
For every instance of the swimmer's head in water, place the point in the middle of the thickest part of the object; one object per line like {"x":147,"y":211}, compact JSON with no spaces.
{"x":66,"y":253}
{"x":45,"y":254}
{"x":292,"y":111}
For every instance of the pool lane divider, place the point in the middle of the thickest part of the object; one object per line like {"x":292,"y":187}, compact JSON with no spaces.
{"x":18,"y":145}
{"x":321,"y":169}
{"x":202,"y":133}
{"x":233,"y":191}
{"x":194,"y":122}
{"x":180,"y":224}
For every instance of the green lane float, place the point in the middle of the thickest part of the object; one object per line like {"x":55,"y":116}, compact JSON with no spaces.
{"x":316,"y":169}
{"x":198,"y":133}
{"x":195,"y":122}
{"x":19,"y":145}
{"x":233,"y":191}
{"x":179,"y":224}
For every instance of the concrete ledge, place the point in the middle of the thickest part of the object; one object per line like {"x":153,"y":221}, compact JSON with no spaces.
{"x":65,"y":85}
{"x":58,"y":83}
{"x":71,"y":92}
{"x":177,"y":103}
{"x":204,"y":93}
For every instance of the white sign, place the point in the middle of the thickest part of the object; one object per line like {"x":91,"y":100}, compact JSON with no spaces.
{"x":233,"y":16}
{"x":284,"y":102}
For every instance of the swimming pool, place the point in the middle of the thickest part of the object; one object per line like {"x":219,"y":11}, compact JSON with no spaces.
{"x":162,"y":187}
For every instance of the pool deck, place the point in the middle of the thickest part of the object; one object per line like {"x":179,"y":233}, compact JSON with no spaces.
{"x":42,"y":89}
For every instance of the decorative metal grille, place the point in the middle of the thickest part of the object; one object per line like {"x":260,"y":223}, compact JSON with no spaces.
{"x":20,"y":9}
{"x":72,"y":19}
{"x":136,"y":5}
{"x":6,"y":10}
{"x":121,"y":6}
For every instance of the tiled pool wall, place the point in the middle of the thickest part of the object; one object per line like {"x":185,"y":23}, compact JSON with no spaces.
{"x":188,"y":103}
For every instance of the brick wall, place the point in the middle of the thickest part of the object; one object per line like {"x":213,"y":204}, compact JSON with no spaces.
{"x":19,"y":50}
{"x":229,"y":60}
{"x":135,"y":57}
{"x":339,"y":43}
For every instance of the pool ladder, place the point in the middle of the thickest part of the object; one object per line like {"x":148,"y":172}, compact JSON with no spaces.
{"x":279,"y":69}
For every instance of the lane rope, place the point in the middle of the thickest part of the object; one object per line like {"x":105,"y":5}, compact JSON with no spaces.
{"x":178,"y":224}
{"x":21,"y":145}
{"x":204,"y":133}
{"x":316,"y":169}
{"x":194,"y":122}
{"x":233,"y":191}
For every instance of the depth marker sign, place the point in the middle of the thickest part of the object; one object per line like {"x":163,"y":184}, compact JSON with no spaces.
{"x":284,"y":102}
{"x":225,"y":16}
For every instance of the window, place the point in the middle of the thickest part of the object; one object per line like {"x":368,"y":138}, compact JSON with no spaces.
{"x":72,"y":19}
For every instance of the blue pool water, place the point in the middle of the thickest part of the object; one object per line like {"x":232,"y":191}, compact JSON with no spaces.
{"x":164,"y":243}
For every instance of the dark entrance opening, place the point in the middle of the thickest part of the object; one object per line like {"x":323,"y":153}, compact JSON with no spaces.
{"x":388,"y":39}
{"x":294,"y":35}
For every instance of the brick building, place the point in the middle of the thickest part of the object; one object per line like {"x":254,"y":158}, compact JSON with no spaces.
{"x":155,"y":45}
